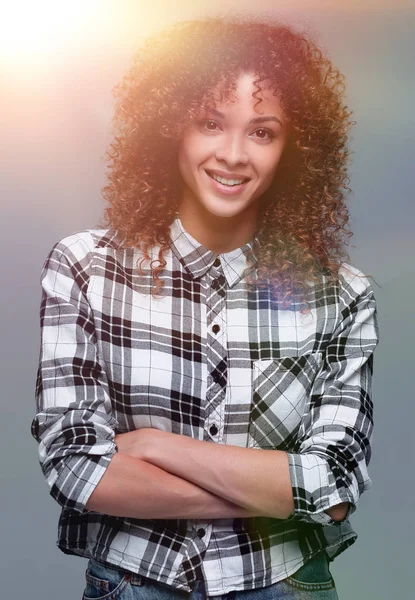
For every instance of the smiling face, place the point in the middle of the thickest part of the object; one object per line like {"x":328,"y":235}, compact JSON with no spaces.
{"x":228,"y":157}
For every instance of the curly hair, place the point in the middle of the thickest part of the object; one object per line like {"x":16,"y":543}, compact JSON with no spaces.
{"x":303,"y":222}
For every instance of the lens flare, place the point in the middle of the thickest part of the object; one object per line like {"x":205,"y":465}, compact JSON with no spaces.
{"x":32,"y":29}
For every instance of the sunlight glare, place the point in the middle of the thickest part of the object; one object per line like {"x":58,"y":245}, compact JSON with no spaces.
{"x":29,"y":28}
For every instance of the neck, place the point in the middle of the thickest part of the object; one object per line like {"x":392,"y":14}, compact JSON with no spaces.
{"x":218,"y":234}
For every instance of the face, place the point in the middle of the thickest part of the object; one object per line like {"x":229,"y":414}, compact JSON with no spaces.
{"x":228,"y":157}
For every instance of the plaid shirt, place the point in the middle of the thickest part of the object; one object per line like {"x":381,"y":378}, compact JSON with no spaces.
{"x":215,"y":361}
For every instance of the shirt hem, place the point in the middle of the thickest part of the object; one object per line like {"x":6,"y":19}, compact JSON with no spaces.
{"x":332,"y":550}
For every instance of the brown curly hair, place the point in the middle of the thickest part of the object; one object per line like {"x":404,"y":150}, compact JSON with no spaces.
{"x":303,"y":222}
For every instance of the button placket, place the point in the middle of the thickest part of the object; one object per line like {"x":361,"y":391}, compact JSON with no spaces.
{"x":216,"y":349}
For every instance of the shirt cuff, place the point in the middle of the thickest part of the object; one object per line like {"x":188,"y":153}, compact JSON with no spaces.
{"x":312,"y":486}
{"x":79,"y":477}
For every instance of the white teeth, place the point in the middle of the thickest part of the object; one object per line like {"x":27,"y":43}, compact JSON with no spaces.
{"x":227,"y":181}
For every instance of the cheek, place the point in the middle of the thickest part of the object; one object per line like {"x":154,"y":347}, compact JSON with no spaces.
{"x":269,"y":166}
{"x":190,"y":156}
{"x":274,"y":159}
{"x":184,"y":163}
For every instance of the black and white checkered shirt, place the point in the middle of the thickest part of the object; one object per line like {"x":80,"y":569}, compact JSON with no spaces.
{"x":215,"y":361}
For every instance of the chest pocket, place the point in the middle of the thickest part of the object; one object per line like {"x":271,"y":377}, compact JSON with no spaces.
{"x":280,"y":391}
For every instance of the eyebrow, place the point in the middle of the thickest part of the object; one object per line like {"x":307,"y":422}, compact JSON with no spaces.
{"x":255,"y":120}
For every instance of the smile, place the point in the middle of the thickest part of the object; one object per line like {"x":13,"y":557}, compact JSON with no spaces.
{"x":225,"y":181}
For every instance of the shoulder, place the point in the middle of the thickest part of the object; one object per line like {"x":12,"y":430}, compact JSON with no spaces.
{"x":75,"y":254}
{"x":356,"y":303}
{"x":347,"y":285}
{"x":346,"y":298}
{"x":83,"y":245}
{"x":85,"y":242}
{"x":353,"y":282}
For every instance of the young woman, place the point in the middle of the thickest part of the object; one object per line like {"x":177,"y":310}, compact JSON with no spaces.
{"x":204,"y":386}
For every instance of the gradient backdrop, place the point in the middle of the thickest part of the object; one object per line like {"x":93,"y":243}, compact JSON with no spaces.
{"x":58,"y":63}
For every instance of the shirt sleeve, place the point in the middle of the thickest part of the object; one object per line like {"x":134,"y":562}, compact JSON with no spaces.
{"x":74,"y":424}
{"x":330,"y":466}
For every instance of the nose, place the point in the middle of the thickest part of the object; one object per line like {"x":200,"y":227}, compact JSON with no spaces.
{"x":232,"y":150}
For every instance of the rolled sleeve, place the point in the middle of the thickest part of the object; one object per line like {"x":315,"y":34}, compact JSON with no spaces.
{"x":74,"y":424}
{"x":334,"y":449}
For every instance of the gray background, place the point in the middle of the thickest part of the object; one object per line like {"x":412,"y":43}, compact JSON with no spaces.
{"x":55,"y":112}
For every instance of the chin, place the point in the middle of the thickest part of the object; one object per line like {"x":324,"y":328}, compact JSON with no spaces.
{"x":225,"y":214}
{"x":226,"y":208}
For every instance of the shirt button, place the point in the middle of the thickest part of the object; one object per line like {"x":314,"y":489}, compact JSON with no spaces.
{"x":215,"y":328}
{"x":213,"y":429}
{"x":200,"y":532}
{"x":215,"y":284}
{"x":217,"y":263}
{"x":216,"y":376}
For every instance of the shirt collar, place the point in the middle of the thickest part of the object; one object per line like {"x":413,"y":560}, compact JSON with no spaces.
{"x":197,"y":259}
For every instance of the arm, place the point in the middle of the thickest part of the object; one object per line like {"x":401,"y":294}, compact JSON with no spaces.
{"x":322,"y":481}
{"x":238,"y":475}
{"x":334,"y":441}
{"x":75,"y":423}
{"x":131,"y":487}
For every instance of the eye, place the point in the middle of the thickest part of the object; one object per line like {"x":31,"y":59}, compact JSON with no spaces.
{"x":263,"y":134}
{"x":210,"y":125}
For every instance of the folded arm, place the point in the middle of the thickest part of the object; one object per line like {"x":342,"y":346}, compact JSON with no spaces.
{"x":131,"y":487}
{"x":258,"y":480}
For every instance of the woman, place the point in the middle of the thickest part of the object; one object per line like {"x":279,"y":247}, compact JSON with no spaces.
{"x":204,"y":386}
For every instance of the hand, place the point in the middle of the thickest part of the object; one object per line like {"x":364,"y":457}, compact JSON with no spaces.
{"x":338,"y":512}
{"x":138,"y":443}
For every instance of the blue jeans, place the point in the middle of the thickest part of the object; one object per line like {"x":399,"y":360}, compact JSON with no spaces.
{"x":312,"y":581}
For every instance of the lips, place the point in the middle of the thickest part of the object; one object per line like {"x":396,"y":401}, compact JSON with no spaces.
{"x":227,"y":179}
{"x":230,"y":188}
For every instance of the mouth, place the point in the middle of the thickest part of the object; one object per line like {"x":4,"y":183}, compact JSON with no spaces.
{"x":230,"y":182}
